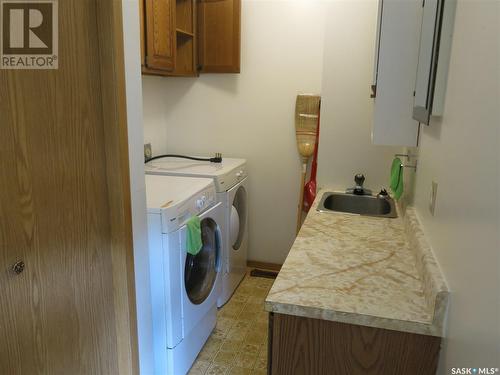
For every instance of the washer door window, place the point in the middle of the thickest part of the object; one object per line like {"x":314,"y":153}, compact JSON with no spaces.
{"x":238,"y":219}
{"x":200,"y":270}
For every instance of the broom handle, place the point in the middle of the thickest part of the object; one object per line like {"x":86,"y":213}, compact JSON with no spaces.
{"x":314,"y":165}
{"x":301,"y":199}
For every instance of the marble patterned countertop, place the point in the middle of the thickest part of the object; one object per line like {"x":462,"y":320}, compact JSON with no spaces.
{"x":370,"y":271}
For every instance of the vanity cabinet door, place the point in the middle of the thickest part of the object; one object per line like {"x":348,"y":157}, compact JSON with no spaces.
{"x":300,"y":345}
{"x":396,"y":58}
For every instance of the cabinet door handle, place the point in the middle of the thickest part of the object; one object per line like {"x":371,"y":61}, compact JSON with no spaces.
{"x":18,"y":267}
{"x":374,"y":91}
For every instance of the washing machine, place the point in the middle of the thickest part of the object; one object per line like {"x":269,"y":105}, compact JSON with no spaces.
{"x":231,"y":184}
{"x":184,"y":288}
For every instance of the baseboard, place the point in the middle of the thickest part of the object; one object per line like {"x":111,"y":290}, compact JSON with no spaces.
{"x":264,"y":265}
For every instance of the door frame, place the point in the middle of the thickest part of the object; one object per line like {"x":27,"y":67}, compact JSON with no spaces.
{"x":109,"y":17}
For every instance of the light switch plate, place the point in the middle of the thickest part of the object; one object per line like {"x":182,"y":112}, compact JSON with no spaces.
{"x":432,"y":198}
{"x":148,"y":151}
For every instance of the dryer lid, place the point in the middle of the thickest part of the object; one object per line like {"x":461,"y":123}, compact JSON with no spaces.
{"x":225,"y":174}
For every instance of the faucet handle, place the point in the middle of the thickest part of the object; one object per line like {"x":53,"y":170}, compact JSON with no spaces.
{"x":383,"y":193}
{"x":359,"y":179}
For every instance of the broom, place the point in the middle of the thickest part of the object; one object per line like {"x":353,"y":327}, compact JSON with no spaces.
{"x":306,"y":128}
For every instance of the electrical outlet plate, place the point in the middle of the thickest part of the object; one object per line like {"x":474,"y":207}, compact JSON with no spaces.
{"x":432,"y":198}
{"x":148,"y":151}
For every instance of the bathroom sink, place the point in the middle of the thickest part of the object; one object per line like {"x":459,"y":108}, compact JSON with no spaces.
{"x":368,"y":205}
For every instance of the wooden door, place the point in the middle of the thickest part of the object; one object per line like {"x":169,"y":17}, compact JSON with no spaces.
{"x":65,"y":205}
{"x":160,"y":34}
{"x":219,"y":36}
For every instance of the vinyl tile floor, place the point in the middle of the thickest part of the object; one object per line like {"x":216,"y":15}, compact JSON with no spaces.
{"x":238,"y":344}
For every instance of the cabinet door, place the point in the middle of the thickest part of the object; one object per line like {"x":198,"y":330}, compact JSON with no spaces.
{"x":427,"y":60}
{"x":433,"y":59}
{"x":160,"y":34}
{"x":395,"y":66}
{"x":219,"y":36}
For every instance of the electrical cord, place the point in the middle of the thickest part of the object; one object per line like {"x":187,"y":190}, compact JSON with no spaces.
{"x":216,"y":159}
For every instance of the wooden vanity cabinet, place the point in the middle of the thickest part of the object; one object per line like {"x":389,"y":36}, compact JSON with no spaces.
{"x":299,"y":345}
{"x":186,"y":37}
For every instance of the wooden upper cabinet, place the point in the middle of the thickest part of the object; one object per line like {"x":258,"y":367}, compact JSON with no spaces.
{"x":143,"y":38}
{"x":160,"y":34}
{"x":186,"y":37}
{"x":219,"y":28}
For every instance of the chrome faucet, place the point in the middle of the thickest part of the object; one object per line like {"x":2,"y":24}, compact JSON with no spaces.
{"x":358,"y":189}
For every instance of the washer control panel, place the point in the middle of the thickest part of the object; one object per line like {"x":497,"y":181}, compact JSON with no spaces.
{"x":202,"y":202}
{"x":197,"y":204}
{"x":231,"y":178}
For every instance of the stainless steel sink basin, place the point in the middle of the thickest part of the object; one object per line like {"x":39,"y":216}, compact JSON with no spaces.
{"x":368,"y":205}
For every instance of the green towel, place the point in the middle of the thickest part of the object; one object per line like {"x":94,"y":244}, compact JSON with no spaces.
{"x":193,"y":241}
{"x":397,"y":178}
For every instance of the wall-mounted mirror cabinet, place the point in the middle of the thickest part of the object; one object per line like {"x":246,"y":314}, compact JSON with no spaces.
{"x":412,"y":55}
{"x":396,"y":56}
{"x":433,"y":58}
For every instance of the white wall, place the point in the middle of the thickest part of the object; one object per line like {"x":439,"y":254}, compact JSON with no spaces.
{"x":461,"y":153}
{"x":137,"y":183}
{"x":249,"y":115}
{"x":346,"y":107}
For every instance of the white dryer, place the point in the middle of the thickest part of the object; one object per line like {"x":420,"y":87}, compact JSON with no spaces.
{"x":237,"y":237}
{"x":184,"y":288}
{"x":231,"y":184}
